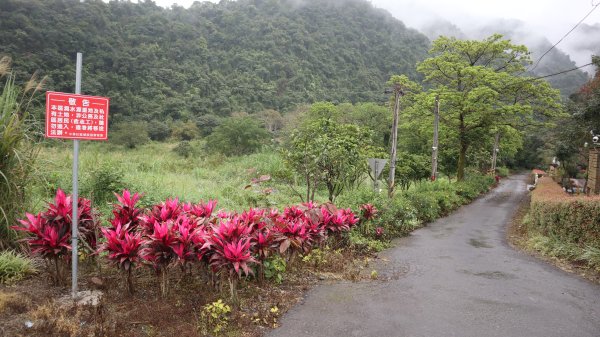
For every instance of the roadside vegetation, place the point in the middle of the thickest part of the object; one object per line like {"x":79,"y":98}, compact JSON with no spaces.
{"x":224,"y":210}
{"x":562,"y":226}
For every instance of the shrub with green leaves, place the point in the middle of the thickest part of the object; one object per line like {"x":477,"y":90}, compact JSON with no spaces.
{"x":184,"y":149}
{"x":214,"y":318}
{"x":15,"y":267}
{"x":275,"y":268}
{"x":237,"y":136}
{"x":129,"y":134}
{"x":573,"y":219}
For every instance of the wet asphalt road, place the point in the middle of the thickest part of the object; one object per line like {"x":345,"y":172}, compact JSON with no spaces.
{"x":455,"y":277}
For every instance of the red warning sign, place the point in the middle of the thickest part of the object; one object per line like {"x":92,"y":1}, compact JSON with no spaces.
{"x":71,"y":116}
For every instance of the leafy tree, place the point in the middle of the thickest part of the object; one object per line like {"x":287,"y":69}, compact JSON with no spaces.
{"x":325,"y":152}
{"x":481,"y":91}
{"x":237,"y":136}
{"x":411,"y":168}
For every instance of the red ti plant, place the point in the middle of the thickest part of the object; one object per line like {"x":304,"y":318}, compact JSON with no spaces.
{"x":125,"y":212}
{"x":158,"y":250}
{"x":263,"y":244}
{"x":167,"y":210}
{"x":186,"y":240}
{"x":88,"y":225}
{"x":368,"y":212}
{"x":50,"y":231}
{"x":47,"y":239}
{"x":293,"y":237}
{"x":61,"y":211}
{"x":123,"y":249}
{"x":231,"y":249}
{"x":200,"y":210}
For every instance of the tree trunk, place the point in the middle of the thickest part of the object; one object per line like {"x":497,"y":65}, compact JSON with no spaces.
{"x":462,"y":160}
{"x":130,"y":287}
{"x":164,"y":282}
{"x":233,"y":281}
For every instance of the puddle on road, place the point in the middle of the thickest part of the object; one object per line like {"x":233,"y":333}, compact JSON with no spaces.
{"x":478,"y":243}
{"x":491,"y":275}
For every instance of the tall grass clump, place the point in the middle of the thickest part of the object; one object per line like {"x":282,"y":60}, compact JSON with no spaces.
{"x":15,"y":267}
{"x":16,"y":148}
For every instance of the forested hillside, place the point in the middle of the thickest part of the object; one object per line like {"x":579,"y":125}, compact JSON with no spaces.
{"x":211,"y":59}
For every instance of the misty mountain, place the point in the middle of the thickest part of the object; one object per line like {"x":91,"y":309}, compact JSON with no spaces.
{"x":555,"y":61}
{"x":211,"y":59}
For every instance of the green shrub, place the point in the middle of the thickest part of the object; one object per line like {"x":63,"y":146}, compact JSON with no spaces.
{"x":103,"y":182}
{"x":129,"y":134}
{"x":15,"y":267}
{"x":425,"y":204}
{"x":158,"y":130}
{"x":397,"y":217}
{"x":275,"y":267}
{"x":366,"y":244}
{"x":207,"y":123}
{"x":503,"y":171}
{"x":214,"y":318}
{"x":473,"y":186}
{"x":237,"y":136}
{"x":573,"y":219}
{"x":185,"y":130}
{"x":184,"y":149}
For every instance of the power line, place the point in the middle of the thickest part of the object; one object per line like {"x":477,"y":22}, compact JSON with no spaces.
{"x":562,"y":38}
{"x":558,"y":73}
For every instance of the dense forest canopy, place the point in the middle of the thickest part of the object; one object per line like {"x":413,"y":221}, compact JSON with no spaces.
{"x":211,"y":59}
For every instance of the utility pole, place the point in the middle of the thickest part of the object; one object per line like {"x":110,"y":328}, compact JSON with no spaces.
{"x":495,"y":153}
{"x":434,"y":148}
{"x":397,"y":94}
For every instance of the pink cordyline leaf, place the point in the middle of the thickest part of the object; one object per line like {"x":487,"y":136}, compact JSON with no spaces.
{"x":122,"y":246}
{"x":200,"y":210}
{"x":125,"y":212}
{"x":368,"y":211}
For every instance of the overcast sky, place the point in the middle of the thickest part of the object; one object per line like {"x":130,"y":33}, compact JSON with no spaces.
{"x":551,"y":18}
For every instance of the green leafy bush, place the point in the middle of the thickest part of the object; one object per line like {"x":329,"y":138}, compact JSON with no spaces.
{"x":237,"y":136}
{"x":573,"y":219}
{"x":15,"y":267}
{"x":129,"y":134}
{"x":185,"y":131}
{"x":425,"y":204}
{"x":103,"y":182}
{"x":184,"y":149}
{"x":214,"y":318}
{"x":158,"y":130}
{"x":275,"y":268}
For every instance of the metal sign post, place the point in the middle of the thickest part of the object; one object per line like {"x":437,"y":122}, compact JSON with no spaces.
{"x":376,"y":166}
{"x":76,"y":117}
{"x":75,"y":218}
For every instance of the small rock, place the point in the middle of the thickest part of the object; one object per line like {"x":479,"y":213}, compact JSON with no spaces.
{"x":321,"y":277}
{"x":97,"y":282}
{"x":28,"y":324}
